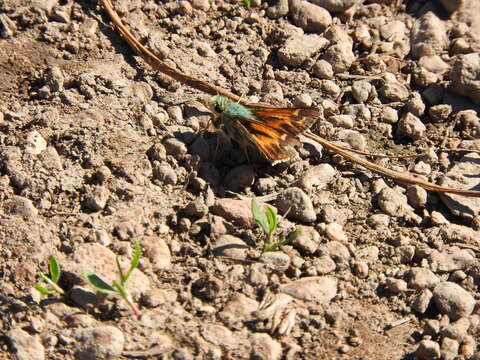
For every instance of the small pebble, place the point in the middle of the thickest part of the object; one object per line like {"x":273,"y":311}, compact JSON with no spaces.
{"x":296,"y":205}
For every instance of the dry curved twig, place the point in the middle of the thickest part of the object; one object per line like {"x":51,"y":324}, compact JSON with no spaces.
{"x":195,"y":83}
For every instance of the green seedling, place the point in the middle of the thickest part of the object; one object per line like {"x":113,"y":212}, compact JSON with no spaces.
{"x":267,"y":219}
{"x":118,"y":287}
{"x":247,"y":3}
{"x":52,"y":281}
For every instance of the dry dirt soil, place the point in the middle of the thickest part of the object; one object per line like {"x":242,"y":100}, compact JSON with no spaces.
{"x":97,"y":150}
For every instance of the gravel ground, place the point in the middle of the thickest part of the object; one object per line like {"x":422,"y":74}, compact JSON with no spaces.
{"x":97,"y":150}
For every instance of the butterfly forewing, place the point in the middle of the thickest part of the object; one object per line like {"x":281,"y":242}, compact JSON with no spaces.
{"x":275,"y":128}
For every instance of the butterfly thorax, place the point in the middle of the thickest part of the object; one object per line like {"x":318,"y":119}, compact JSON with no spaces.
{"x":226,"y":113}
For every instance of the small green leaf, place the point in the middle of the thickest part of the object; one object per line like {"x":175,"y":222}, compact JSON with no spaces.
{"x":97,"y":282}
{"x":272,"y":219}
{"x":247,"y":3}
{"x":121,"y":290}
{"x":260,"y":217}
{"x":136,"y":258}
{"x":120,"y":271}
{"x":54,"y":269}
{"x":44,"y":277}
{"x":42,"y":290}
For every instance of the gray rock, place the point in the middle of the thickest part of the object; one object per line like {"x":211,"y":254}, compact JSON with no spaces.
{"x":417,"y":196}
{"x":265,"y":185}
{"x":452,"y":260}
{"x":465,"y":76}
{"x":324,"y":264}
{"x":157,"y":251}
{"x":337,"y":251}
{"x":389,"y":115}
{"x":361,"y":91}
{"x":230,"y":246}
{"x":345,"y":121}
{"x":239,"y":178}
{"x":321,"y":289}
{"x":428,"y":350}
{"x":98,"y":343}
{"x":393,"y":90}
{"x":97,"y":199}
{"x":201,"y":4}
{"x":296,"y":205}
{"x":300,"y":47}
{"x":280,"y":9}
{"x":323,"y":69}
{"x":406,"y":253}
{"x":421,"y":278}
{"x":335,"y":5}
{"x":265,"y":348}
{"x":25,"y":346}
{"x":340,"y":56}
{"x":428,"y":36}
{"x":433,"y":94}
{"x":457,"y":330}
{"x":360,"y":269}
{"x":307,"y":240}
{"x":164,"y":173}
{"x":335,"y":232}
{"x":238,"y":212}
{"x":431,"y":327}
{"x":440,"y":113}
{"x":451,"y":299}
{"x":415,"y":105}
{"x":411,"y":126}
{"x":396,"y":286}
{"x":316,"y":177}
{"x":434,"y":64}
{"x":421,"y":302}
{"x":219,"y":335}
{"x":157,"y":152}
{"x":50,"y":159}
{"x":196,"y":208}
{"x":175,"y":147}
{"x":238,"y":308}
{"x":449,"y":348}
{"x":309,"y":17}
{"x":156,"y":297}
{"x":20,"y":205}
{"x":462,"y":176}
{"x":393,"y":31}
{"x":276,"y":259}
{"x":35,"y":143}
{"x":394,"y":203}
{"x":302,"y":101}
{"x":353,"y":138}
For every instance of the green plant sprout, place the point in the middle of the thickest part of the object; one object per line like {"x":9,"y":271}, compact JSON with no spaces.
{"x":247,"y":3}
{"x":117,"y":287}
{"x":267,"y":219}
{"x":52,"y":281}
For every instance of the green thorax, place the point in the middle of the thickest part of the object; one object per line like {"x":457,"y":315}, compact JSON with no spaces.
{"x":226,"y":108}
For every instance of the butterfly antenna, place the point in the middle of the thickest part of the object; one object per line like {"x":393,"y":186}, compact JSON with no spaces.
{"x":241,"y":97}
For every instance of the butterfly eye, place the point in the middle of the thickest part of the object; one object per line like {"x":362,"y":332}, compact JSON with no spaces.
{"x":217,"y":108}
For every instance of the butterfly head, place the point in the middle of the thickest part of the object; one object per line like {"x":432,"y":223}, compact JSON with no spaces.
{"x":219,"y":103}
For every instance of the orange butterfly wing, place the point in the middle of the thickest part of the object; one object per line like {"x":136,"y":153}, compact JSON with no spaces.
{"x":275,"y":128}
